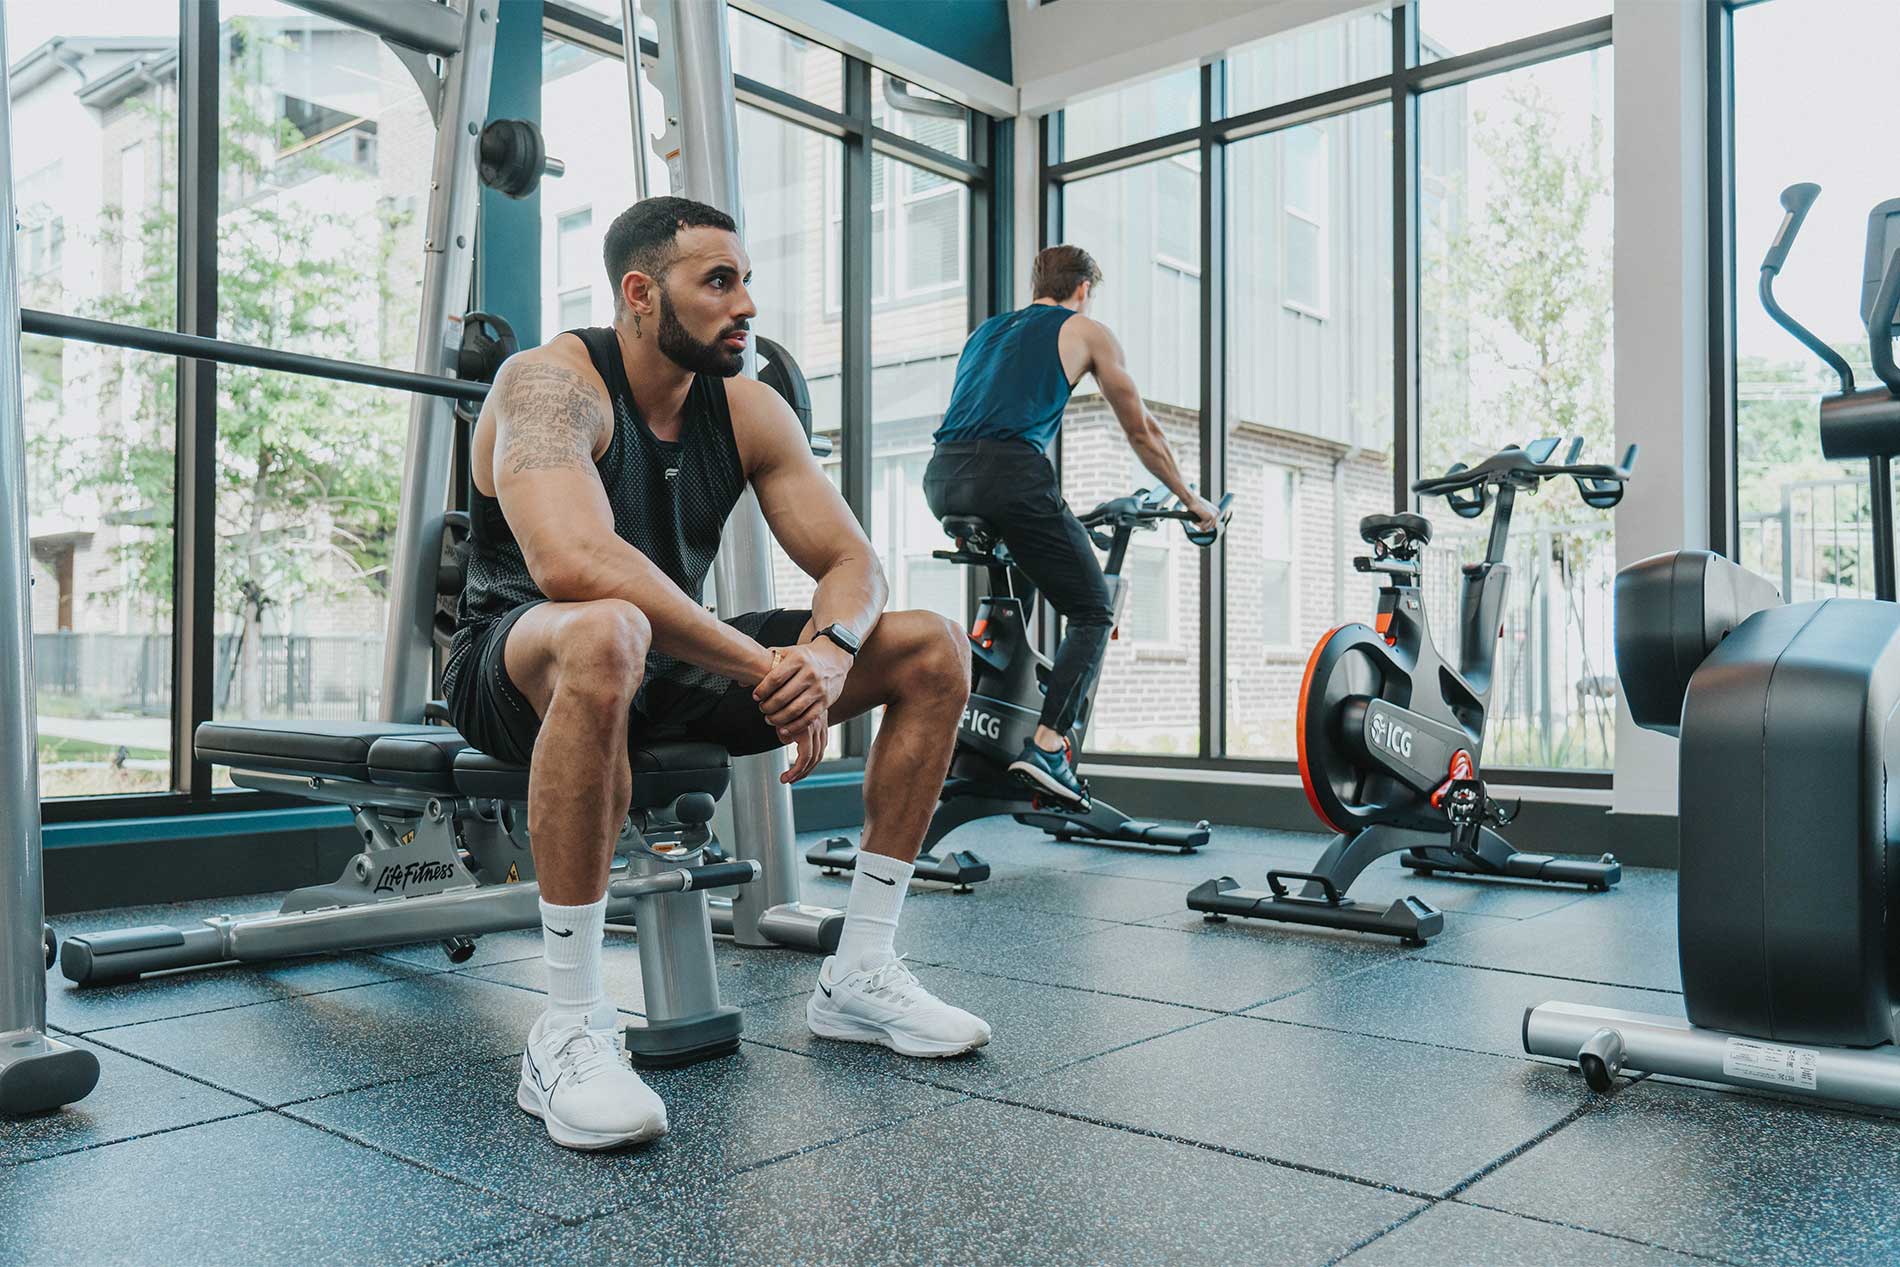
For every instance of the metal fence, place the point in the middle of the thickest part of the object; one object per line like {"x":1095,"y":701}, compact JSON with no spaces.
{"x":1820,"y":544}
{"x":316,"y":677}
{"x":1553,"y":698}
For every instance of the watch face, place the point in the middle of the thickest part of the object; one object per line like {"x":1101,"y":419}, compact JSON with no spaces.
{"x":842,"y":637}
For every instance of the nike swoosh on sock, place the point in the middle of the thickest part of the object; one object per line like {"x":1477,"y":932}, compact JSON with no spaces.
{"x":559,"y":932}
{"x":881,"y":880}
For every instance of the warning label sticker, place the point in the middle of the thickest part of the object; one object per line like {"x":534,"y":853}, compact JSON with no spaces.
{"x":1771,"y":1063}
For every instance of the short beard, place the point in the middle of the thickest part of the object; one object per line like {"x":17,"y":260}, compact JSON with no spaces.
{"x":689,"y":353}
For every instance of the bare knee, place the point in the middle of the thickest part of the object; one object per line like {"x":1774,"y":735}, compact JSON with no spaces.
{"x":937,"y":661}
{"x":600,"y":653}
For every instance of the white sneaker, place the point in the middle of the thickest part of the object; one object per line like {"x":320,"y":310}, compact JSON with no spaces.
{"x":580,"y":1083}
{"x":888,"y":1005}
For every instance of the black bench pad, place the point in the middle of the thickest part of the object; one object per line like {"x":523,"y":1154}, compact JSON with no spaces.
{"x":326,"y":749}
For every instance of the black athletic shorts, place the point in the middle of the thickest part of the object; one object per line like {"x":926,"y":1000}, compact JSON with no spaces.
{"x":678,"y":702}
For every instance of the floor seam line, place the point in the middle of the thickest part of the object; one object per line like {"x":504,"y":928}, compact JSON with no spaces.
{"x":1594,"y":1231}
{"x":156,"y":1131}
{"x":1204,"y":1146}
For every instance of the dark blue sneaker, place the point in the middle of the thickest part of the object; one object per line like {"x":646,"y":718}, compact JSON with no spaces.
{"x":1049,"y":773}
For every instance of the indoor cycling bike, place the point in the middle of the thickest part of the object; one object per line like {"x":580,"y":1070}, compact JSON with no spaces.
{"x":1391,"y":736}
{"x":1007,"y":676}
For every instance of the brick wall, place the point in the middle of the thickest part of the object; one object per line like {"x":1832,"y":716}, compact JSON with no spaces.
{"x":1149,"y":696}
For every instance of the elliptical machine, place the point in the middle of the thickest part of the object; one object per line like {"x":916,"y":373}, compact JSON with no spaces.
{"x":1391,"y":736}
{"x":1006,"y":701}
{"x":1786,"y":716}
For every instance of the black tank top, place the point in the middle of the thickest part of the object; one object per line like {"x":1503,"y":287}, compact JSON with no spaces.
{"x":670,"y":499}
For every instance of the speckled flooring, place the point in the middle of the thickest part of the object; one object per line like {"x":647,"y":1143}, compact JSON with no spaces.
{"x":1159,"y":1091}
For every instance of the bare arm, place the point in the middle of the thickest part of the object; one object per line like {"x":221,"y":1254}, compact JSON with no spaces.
{"x":548,"y":416}
{"x":807,"y":515}
{"x":1110,"y":367}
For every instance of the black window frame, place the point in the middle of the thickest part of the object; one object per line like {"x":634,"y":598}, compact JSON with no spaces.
{"x":1399,"y":91}
{"x":986,"y":174}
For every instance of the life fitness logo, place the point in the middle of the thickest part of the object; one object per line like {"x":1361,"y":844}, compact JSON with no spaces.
{"x":1391,"y":736}
{"x":988,"y":725}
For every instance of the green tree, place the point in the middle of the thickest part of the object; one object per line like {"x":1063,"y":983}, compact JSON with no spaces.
{"x":1524,"y":279}
{"x":1517,"y":345}
{"x":308,"y":470}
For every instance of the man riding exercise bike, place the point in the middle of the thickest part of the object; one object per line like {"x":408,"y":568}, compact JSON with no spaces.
{"x":991,"y":460}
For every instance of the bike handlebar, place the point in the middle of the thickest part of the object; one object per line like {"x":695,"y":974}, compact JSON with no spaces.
{"x":1598,"y":484}
{"x":1144,"y":509}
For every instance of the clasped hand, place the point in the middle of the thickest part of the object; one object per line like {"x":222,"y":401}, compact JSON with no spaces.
{"x":796,"y":696}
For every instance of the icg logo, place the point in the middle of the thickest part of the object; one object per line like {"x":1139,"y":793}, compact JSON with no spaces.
{"x":988,"y":725}
{"x":1390,"y":735}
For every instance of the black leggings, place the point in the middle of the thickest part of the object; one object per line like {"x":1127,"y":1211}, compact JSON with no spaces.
{"x":1013,"y":486}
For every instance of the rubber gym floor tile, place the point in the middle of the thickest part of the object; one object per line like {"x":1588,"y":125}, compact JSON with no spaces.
{"x":490,"y":948}
{"x":1473,"y":1008}
{"x":1454,"y":1233}
{"x":1090,"y":896}
{"x":1386,"y":1112}
{"x":1616,"y":938}
{"x":254,"y":1190}
{"x":1705,"y":1172}
{"x":1035,"y":1028}
{"x":986,"y":1183}
{"x":1203,"y":966}
{"x":323,"y":1043}
{"x":746,"y":975}
{"x":1173,"y":867}
{"x":132,"y":1098}
{"x":944,"y":928}
{"x":81,"y":1009}
{"x":722,"y":1115}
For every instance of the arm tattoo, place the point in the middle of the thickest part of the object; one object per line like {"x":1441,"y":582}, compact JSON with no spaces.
{"x":552,"y":418}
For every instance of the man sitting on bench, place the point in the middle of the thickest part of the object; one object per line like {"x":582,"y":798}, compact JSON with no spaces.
{"x":605,"y":464}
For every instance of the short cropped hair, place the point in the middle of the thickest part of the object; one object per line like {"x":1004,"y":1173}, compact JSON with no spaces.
{"x":645,"y":237}
{"x":1058,"y":270}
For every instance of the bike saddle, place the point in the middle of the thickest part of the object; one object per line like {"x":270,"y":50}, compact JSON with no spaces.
{"x":965,"y":527}
{"x":1416,"y":528}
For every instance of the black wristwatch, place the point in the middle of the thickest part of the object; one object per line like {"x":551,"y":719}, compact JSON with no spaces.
{"x":842,"y":636}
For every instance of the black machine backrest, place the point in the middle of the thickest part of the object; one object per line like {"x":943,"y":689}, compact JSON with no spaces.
{"x":451,"y":573}
{"x":1672,"y":610}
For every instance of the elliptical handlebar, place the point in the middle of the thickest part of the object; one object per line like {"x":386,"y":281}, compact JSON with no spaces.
{"x":1599,"y":485}
{"x":1796,"y":200}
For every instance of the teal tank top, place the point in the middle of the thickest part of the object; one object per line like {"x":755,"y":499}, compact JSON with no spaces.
{"x":1010,"y":384}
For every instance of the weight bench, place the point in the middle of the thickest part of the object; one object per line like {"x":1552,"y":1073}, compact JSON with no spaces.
{"x":446,"y":857}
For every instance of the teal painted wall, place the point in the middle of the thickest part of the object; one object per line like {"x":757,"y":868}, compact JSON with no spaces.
{"x":974,"y":32}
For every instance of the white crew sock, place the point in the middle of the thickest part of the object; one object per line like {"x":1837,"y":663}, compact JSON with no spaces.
{"x":870,"y":917}
{"x":571,"y":940}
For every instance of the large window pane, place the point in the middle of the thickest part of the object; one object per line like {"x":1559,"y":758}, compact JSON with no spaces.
{"x":99,"y":429}
{"x":95,"y":157}
{"x":309,"y":476}
{"x":773,"y":55}
{"x":920,"y":276}
{"x":1307,"y":60}
{"x":1447,"y":28}
{"x":1805,"y":521}
{"x":1309,"y":436}
{"x":789,"y":176}
{"x":1142,"y":227}
{"x":1515,"y":327}
{"x":324,"y":158}
{"x":1154,"y":107}
{"x":585,"y":119}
